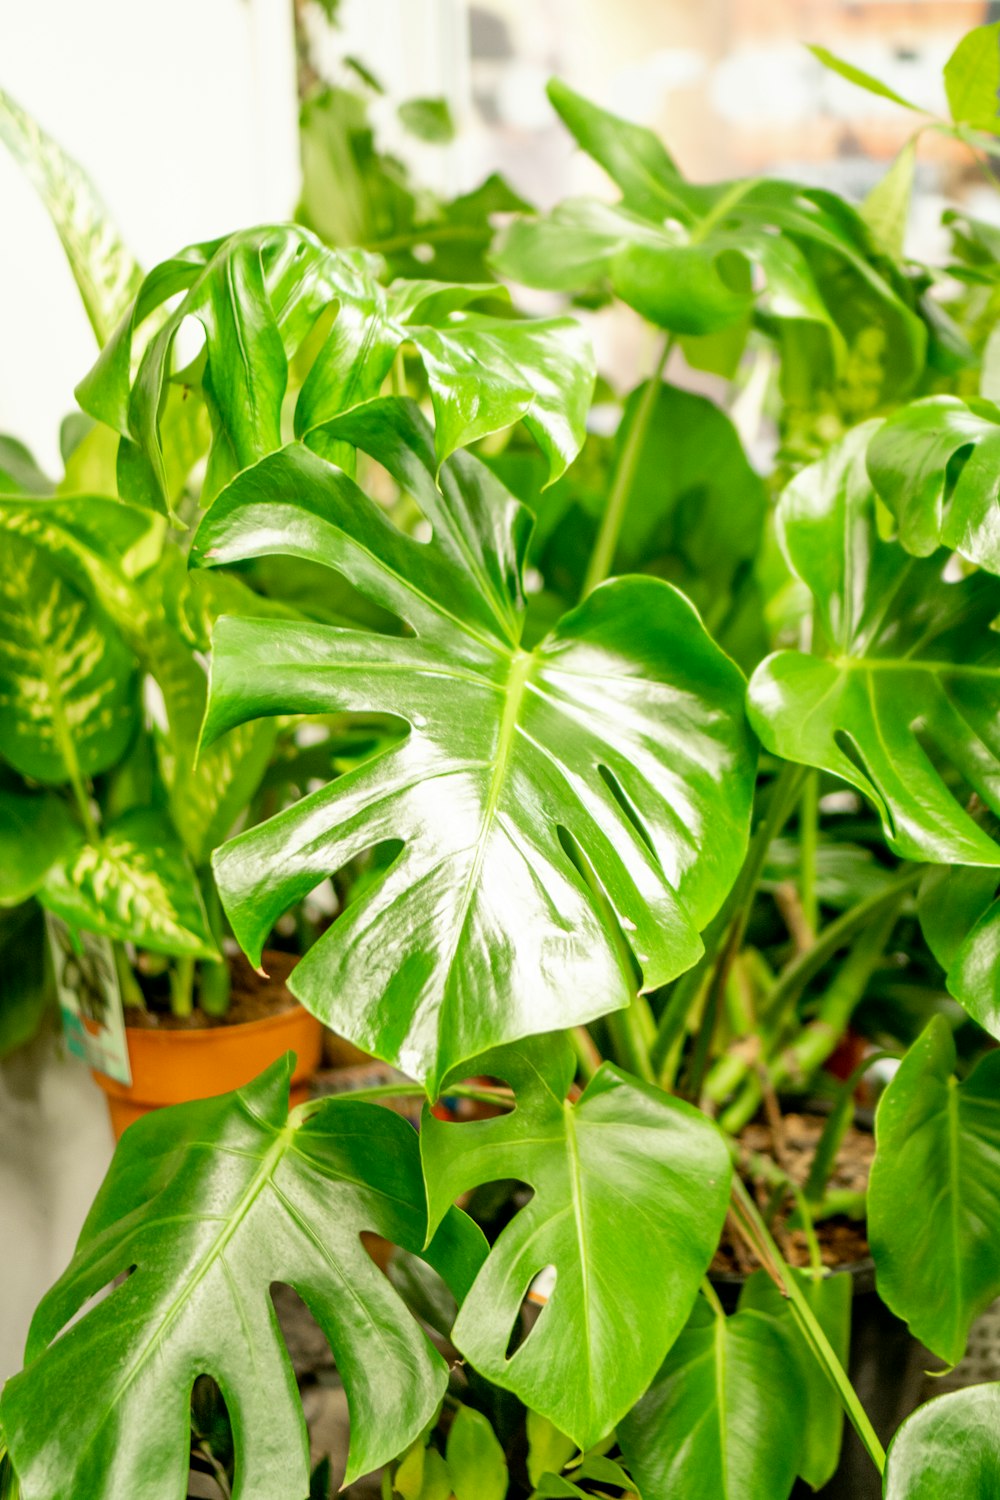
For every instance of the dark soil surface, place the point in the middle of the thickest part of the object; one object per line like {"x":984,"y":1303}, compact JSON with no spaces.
{"x":842,"y":1241}
{"x":252,"y":998}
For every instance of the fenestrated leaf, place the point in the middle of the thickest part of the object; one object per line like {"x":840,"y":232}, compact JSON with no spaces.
{"x":135,"y":884}
{"x":67,"y":680}
{"x":948,"y":1448}
{"x":910,"y":666}
{"x":104,"y":270}
{"x":630,"y":1193}
{"x":623,"y":728}
{"x":724,"y":1417}
{"x":936,"y":464}
{"x":960,"y":918}
{"x":258,"y":295}
{"x":36,"y":830}
{"x":211,"y":1203}
{"x":830,"y":1299}
{"x":934,"y":1194}
{"x":972,"y":78}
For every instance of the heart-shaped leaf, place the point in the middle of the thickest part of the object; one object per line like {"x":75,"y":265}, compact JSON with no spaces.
{"x":259,"y":293}
{"x":622,"y":728}
{"x":909,"y":671}
{"x":947,"y":1448}
{"x":725,"y":1415}
{"x":935,"y":463}
{"x":934,"y":1195}
{"x":631,"y":1188}
{"x":207,"y":1205}
{"x":134,"y":883}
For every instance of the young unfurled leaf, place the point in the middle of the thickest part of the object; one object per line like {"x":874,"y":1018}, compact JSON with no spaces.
{"x":207,"y":1205}
{"x":972,"y":78}
{"x":135,"y":884}
{"x":630,"y":1192}
{"x":934,"y":1196}
{"x":725,"y":1415}
{"x":622,"y":728}
{"x":866,"y":81}
{"x":948,"y":1448}
{"x":936,"y":464}
{"x":104,"y":270}
{"x":259,"y":293}
{"x":910,"y":669}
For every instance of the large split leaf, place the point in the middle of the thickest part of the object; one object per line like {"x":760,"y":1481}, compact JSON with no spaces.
{"x":133,"y":883}
{"x":630,"y":1193}
{"x":948,"y":1448}
{"x":934,"y":1196}
{"x":208,"y":1204}
{"x":258,"y":295}
{"x":697,"y":260}
{"x":904,"y":692}
{"x":104,"y":270}
{"x":622,"y":728}
{"x":960,"y":918}
{"x":936,"y":464}
{"x":724,"y":1417}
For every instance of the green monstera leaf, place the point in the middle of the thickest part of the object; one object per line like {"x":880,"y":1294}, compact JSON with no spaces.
{"x":960,"y":918}
{"x":725,"y":1415}
{"x":948,"y":1448}
{"x":697,"y":260}
{"x":901,"y":691}
{"x":259,"y":293}
{"x":935,"y":463}
{"x":623,"y":729}
{"x":631,"y":1188}
{"x":934,"y":1196}
{"x":104,"y":270}
{"x":134,"y":883}
{"x":208,"y":1204}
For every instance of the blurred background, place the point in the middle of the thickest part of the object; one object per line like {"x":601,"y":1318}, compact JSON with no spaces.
{"x":211,"y":115}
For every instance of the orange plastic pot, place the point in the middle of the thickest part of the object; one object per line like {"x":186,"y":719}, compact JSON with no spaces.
{"x":173,"y":1067}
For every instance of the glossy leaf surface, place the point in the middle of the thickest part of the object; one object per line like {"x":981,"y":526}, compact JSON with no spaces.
{"x":936,"y":463}
{"x":258,"y":295}
{"x":933,"y":1216}
{"x":830,"y":1299}
{"x":948,"y":1448}
{"x":623,"y":728}
{"x":104,"y":270}
{"x":625,"y":1155}
{"x":211,"y":1203}
{"x":134,"y":883}
{"x":960,"y":919}
{"x":713,"y":1421}
{"x":909,"y":675}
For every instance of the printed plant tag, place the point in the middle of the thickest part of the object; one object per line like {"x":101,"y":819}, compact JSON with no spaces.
{"x":90,"y":998}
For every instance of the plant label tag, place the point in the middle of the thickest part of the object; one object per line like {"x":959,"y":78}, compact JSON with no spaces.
{"x":90,"y":998}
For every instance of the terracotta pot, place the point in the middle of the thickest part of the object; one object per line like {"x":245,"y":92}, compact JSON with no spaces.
{"x":173,"y":1067}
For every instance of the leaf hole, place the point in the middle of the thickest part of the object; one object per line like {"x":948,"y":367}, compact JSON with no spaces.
{"x":537,"y":1297}
{"x":574,"y":853}
{"x":213,"y":1450}
{"x":847,"y":745}
{"x":953,"y":473}
{"x":626,"y":805}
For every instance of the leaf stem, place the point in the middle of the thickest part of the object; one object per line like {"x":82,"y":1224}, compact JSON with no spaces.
{"x":758,"y":1236}
{"x":605,"y":545}
{"x":808,"y":842}
{"x":711,"y":1296}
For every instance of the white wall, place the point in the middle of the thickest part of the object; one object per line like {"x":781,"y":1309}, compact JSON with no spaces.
{"x":185,"y":117}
